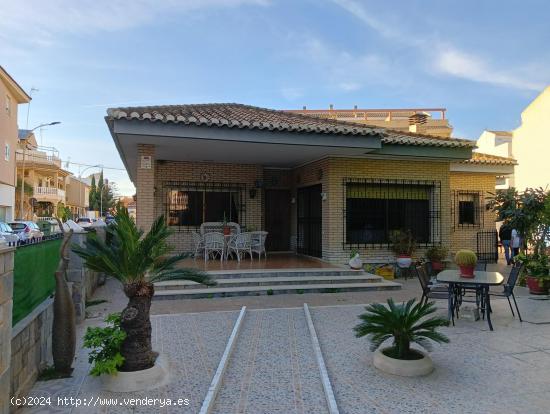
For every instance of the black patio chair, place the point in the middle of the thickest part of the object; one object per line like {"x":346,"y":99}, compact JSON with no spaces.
{"x":429,"y":291}
{"x":508,"y":289}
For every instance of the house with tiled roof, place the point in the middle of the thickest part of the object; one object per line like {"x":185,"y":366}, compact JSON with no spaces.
{"x":321,"y":187}
{"x":529,"y":144}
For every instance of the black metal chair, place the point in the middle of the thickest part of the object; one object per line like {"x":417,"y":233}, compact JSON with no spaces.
{"x":509,"y":289}
{"x":429,"y":291}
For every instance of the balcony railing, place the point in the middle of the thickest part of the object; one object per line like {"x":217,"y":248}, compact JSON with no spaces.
{"x":49,"y":191}
{"x":38,"y":157}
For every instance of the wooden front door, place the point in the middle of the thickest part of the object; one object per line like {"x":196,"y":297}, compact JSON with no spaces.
{"x":277,"y":220}
{"x":310,"y":221}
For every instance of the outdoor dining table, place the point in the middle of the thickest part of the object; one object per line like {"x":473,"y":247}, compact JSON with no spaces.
{"x":482,"y":280}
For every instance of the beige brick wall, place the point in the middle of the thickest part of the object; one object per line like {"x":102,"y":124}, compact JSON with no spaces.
{"x":333,"y":207}
{"x":466,"y":237}
{"x":201,"y":172}
{"x":145,"y":188}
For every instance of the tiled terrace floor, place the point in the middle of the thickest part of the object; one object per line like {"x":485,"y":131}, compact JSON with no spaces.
{"x":273,"y":261}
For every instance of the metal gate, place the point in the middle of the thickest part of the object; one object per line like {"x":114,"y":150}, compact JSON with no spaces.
{"x":310,"y":221}
{"x":487,"y":246}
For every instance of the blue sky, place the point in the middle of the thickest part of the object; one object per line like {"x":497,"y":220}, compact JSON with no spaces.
{"x":483,"y":60}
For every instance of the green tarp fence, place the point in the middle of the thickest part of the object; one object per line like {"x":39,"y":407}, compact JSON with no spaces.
{"x":33,"y":276}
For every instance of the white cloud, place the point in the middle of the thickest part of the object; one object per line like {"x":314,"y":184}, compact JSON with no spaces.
{"x":449,"y":60}
{"x":291,"y":94}
{"x":38,"y":23}
{"x":467,"y":66}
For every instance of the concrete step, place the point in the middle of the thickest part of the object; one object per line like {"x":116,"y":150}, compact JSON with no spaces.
{"x":272,"y":273}
{"x":271,"y":281}
{"x":273,"y":289}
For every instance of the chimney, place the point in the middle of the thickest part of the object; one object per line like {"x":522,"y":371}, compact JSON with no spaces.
{"x":304,"y":108}
{"x":331,"y":107}
{"x":417,"y":122}
{"x":354,"y":106}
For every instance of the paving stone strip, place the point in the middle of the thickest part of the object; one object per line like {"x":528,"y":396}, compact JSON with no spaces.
{"x":273,"y":367}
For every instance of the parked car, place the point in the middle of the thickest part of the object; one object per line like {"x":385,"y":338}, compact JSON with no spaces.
{"x":84,"y":222}
{"x":110,"y":220}
{"x":7,"y":233}
{"x":27,"y":231}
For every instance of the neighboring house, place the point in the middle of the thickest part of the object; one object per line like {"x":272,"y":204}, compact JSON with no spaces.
{"x":11,"y":95}
{"x":130,"y":204}
{"x":77,"y":196}
{"x":45,"y":180}
{"x":529,"y":144}
{"x":319,"y":187}
{"x":430,"y":121}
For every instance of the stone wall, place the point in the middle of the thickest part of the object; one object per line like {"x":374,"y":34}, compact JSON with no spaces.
{"x":6,"y":304}
{"x":31,"y":348}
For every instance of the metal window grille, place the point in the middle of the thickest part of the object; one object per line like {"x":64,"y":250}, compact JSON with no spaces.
{"x":239,"y":191}
{"x":467,"y":209}
{"x":373,"y":208}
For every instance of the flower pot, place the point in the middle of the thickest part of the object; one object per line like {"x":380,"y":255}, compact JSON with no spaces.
{"x":466,"y":271}
{"x":226,"y":231}
{"x":403,"y":367}
{"x":132,"y":381}
{"x":356,"y":263}
{"x":535,"y":287}
{"x":437,"y":265}
{"x":404,"y":262}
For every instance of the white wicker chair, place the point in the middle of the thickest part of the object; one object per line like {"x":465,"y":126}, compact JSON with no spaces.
{"x":198,"y":243}
{"x":240,"y":244}
{"x":257,"y":243}
{"x":214,"y":244}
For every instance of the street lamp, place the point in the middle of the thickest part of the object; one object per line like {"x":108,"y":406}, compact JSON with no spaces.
{"x":23,"y":167}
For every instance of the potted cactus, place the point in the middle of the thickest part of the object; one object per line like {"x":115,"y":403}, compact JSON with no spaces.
{"x":226,"y":228}
{"x":466,"y":261}
{"x":436,"y":255}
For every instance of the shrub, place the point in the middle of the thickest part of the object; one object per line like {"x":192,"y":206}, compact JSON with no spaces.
{"x":405,"y":323}
{"x":437,"y":253}
{"x":403,"y":242}
{"x":465,"y":258}
{"x":105,"y":343}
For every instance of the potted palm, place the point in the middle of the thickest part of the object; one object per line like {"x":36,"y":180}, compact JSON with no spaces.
{"x":403,"y":245}
{"x":137,"y":260}
{"x":436,"y":255}
{"x":405,"y":323}
{"x":466,"y":261}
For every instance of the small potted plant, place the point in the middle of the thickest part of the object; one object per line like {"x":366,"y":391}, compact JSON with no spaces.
{"x":466,"y":261}
{"x":536,"y":272}
{"x":355,"y":261}
{"x":403,"y":245}
{"x":226,"y":228}
{"x":436,"y":255}
{"x":405,"y":323}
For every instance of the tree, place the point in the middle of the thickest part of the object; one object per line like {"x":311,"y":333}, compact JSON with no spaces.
{"x":92,"y":195}
{"x":528,"y":212}
{"x":101,"y":195}
{"x":137,"y":260}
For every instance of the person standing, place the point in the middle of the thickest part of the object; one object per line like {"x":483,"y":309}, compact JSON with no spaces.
{"x":515,"y":242}
{"x":505,"y":234}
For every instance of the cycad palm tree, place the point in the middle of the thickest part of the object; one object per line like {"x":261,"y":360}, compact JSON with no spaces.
{"x":137,"y":260}
{"x":406,"y":323}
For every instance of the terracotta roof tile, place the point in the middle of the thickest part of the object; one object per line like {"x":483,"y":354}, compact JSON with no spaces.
{"x":232,"y":115}
{"x":480,"y":158}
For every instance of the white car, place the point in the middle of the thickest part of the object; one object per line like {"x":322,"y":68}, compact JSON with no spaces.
{"x":84,"y":222}
{"x":7,"y":233}
{"x":27,"y":231}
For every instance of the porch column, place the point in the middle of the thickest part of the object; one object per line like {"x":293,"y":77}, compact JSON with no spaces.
{"x":145,"y":186}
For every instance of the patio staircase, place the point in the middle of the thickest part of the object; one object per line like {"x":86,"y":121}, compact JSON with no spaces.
{"x":271,"y":282}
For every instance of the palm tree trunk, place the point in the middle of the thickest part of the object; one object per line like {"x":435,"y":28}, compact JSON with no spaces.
{"x":136,"y":348}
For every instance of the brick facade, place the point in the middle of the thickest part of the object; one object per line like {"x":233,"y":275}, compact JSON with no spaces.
{"x":153,"y":185}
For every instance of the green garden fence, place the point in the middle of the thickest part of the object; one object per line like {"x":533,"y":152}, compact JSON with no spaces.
{"x":33,"y":276}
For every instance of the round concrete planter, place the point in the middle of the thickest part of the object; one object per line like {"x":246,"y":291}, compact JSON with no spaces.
{"x":403,"y":367}
{"x":144,"y":380}
{"x":404,"y":262}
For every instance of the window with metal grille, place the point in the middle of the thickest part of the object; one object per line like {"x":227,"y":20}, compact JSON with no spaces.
{"x":467,"y":208}
{"x":189,"y":204}
{"x":376,"y":208}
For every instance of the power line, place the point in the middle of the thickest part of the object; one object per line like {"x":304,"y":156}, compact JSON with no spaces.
{"x":29,"y":158}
